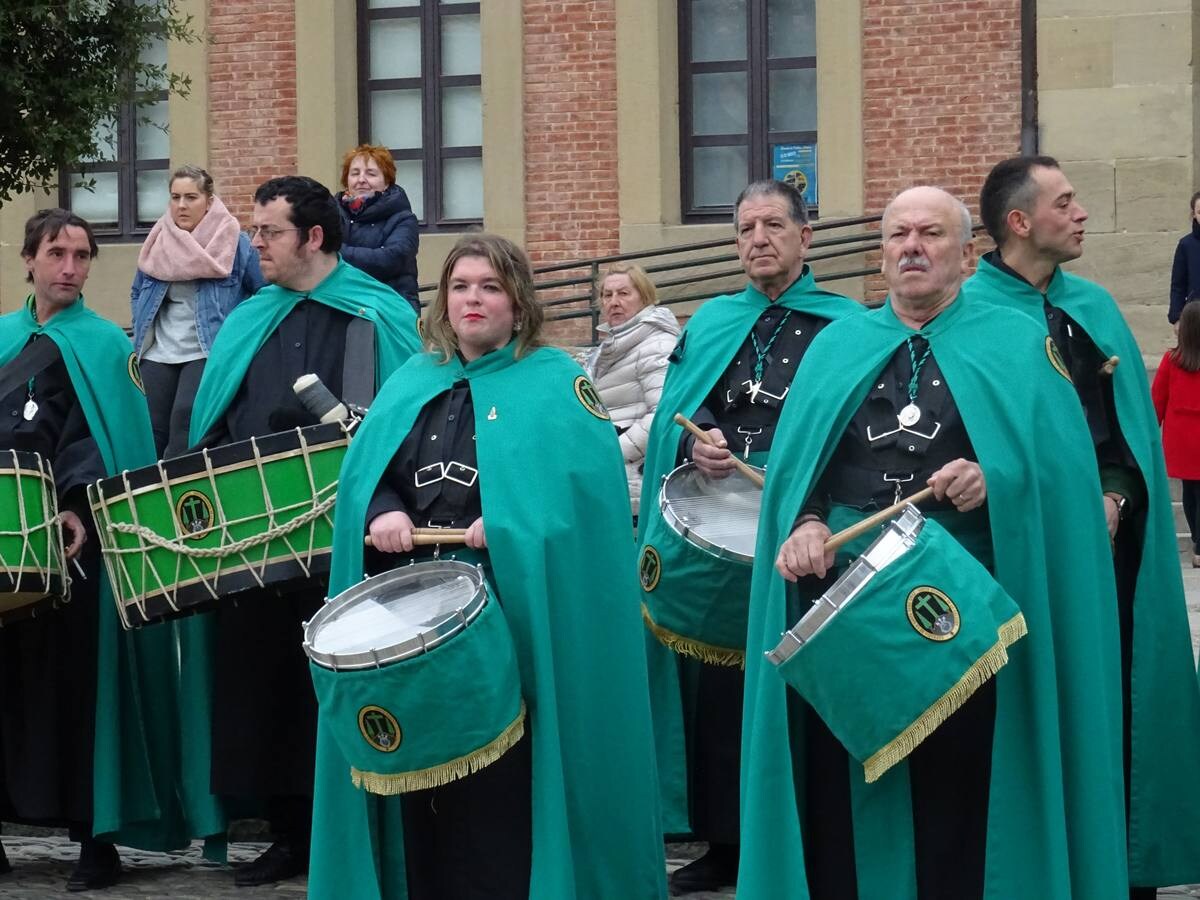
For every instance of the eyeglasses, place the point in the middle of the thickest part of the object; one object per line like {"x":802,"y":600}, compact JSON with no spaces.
{"x":267,"y":232}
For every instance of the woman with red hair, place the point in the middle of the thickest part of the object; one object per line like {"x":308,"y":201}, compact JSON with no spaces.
{"x":379,"y":230}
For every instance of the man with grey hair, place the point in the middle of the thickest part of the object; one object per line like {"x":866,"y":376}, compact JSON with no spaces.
{"x":731,"y":373}
{"x":1015,"y":792}
{"x":1031,"y":210}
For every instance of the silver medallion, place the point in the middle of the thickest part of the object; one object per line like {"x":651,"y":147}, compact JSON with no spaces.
{"x":30,"y":411}
{"x":910,"y":415}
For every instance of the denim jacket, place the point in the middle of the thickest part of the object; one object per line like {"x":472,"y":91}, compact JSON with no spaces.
{"x":215,"y":297}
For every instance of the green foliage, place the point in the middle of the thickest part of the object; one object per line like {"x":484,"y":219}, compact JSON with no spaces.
{"x":68,"y":66}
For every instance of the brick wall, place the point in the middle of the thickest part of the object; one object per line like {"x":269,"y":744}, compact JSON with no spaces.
{"x":252,"y":97}
{"x":941,"y":94}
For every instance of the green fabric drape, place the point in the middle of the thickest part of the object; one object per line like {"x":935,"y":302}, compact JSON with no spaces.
{"x":1056,"y":811}
{"x":138,"y":797}
{"x":705,"y":348}
{"x":1164,"y":827}
{"x":555,"y":507}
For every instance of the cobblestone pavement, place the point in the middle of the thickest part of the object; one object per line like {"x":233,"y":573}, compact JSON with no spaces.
{"x":42,"y":863}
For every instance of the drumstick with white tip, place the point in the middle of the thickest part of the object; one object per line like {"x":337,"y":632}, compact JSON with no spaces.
{"x":702,"y":435}
{"x":848,"y":534}
{"x":425,"y":537}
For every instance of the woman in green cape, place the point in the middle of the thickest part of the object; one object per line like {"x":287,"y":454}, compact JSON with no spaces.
{"x":526,"y":460}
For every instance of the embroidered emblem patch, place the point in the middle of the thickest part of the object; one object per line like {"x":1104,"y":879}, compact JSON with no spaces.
{"x":649,"y":568}
{"x":380,"y":729}
{"x":932,"y":614}
{"x":135,"y":372}
{"x":1056,"y":359}
{"x":195,"y":514}
{"x":586,"y":392}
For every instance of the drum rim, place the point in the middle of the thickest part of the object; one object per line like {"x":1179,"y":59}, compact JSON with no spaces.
{"x":414,"y":646}
{"x":690,"y":535}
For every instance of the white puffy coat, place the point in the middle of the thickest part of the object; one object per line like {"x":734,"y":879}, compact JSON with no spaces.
{"x":628,"y":369}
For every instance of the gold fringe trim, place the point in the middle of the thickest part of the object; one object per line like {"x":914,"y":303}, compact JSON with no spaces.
{"x":706,"y":653}
{"x":980,"y":671}
{"x":422,"y":779}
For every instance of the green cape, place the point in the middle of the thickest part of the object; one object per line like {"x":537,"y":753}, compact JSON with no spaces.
{"x":706,"y":345}
{"x":138,"y":799}
{"x":1164,"y":825}
{"x":555,"y":504}
{"x":1056,"y":813}
{"x":250,"y":324}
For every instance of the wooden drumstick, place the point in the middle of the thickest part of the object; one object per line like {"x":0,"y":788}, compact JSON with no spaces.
{"x":1109,"y":364}
{"x":701,"y":435}
{"x":848,"y":534}
{"x":425,"y":537}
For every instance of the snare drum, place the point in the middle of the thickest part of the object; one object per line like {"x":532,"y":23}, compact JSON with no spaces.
{"x":32,"y":561}
{"x":901,"y":640}
{"x":696,"y":561}
{"x":185,"y":532}
{"x":416,"y":676}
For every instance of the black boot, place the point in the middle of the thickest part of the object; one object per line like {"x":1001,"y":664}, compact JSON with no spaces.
{"x":281,"y":860}
{"x":714,"y":870}
{"x":99,"y":866}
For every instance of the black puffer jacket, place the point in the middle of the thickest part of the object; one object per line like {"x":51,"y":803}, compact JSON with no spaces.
{"x":381,"y":239}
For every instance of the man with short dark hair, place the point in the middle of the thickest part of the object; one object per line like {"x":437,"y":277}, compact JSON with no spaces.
{"x":731,"y":373}
{"x":317,"y":315}
{"x":1011,"y":783}
{"x":1033,"y":214}
{"x":77,"y":689}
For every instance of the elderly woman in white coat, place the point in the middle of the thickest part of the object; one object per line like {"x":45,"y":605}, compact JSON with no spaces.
{"x":629,"y":365}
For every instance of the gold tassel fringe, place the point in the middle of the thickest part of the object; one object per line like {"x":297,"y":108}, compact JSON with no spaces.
{"x":706,"y":653}
{"x":401,"y":783}
{"x":980,"y":671}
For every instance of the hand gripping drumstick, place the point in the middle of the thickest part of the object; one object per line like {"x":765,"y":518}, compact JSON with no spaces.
{"x":702,"y":435}
{"x":424,"y":537}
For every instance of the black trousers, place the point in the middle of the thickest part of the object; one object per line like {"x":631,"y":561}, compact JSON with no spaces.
{"x":950,"y":774}
{"x":1191,"y":510}
{"x":472,"y":839}
{"x":716,"y":753}
{"x":170,"y":391}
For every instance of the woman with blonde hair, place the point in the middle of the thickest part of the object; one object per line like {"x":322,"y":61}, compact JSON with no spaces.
{"x":630,"y":363}
{"x":379,"y":230}
{"x":496,"y":434}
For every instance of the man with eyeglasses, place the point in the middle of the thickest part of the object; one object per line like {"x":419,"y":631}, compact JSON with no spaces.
{"x":318,"y":315}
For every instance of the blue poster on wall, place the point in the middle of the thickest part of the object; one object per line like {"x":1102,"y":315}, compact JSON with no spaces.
{"x":797,"y":165}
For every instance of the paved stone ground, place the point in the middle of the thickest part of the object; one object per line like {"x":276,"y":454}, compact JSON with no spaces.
{"x":42,"y":861}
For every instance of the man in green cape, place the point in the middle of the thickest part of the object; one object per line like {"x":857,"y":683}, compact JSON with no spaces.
{"x":1030,"y":209}
{"x":112,"y":775}
{"x":731,"y":372}
{"x":1017,"y":794}
{"x":247,"y":670}
{"x":550,"y":477}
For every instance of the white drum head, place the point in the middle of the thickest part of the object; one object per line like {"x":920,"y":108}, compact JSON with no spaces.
{"x":719,"y":516}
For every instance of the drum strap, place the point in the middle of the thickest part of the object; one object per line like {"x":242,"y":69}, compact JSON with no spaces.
{"x":358,"y":367}
{"x":33,"y":358}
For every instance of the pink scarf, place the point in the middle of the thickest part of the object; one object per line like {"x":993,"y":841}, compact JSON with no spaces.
{"x":172,"y":254}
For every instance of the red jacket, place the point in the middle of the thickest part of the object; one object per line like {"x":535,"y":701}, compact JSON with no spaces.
{"x":1176,"y":396}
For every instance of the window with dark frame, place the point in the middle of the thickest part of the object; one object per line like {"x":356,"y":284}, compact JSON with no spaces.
{"x":419,"y":89}
{"x":747,"y":96}
{"x":128,"y":177}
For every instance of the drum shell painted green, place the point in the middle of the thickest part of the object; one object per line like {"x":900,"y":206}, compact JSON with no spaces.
{"x":27,"y":504}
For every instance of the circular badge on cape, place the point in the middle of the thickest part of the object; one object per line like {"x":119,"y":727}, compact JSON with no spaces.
{"x":380,"y":729}
{"x":195,"y":513}
{"x":587,"y":394}
{"x":1056,"y":359}
{"x":649,"y":568}
{"x":932,"y":614}
{"x":135,"y":372}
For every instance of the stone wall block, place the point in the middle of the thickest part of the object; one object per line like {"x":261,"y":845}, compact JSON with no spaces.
{"x":1075,"y":53}
{"x":1152,"y":194}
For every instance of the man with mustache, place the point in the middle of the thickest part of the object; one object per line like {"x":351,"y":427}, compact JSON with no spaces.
{"x":731,"y":373}
{"x":1015,"y":794}
{"x":1032,"y":213}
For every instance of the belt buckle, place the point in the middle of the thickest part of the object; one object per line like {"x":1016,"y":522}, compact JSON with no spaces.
{"x":437,"y":469}
{"x":457,"y":466}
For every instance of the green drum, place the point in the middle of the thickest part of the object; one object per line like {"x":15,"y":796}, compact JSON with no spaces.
{"x":32,"y":567}
{"x":186,"y":532}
